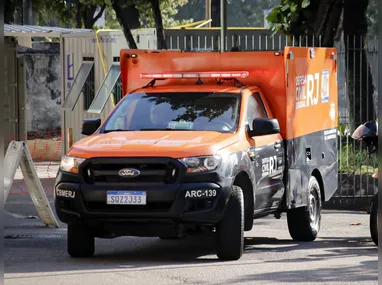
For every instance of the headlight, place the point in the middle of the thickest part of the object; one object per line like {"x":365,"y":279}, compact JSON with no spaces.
{"x":201,"y":164}
{"x":70,"y":164}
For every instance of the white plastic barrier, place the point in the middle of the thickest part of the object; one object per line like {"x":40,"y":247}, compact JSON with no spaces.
{"x":18,"y":155}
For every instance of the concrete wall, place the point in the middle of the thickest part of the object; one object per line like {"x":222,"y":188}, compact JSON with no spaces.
{"x":42,"y":64}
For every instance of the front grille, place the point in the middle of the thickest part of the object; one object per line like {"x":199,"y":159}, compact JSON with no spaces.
{"x":151,"y":171}
{"x":150,"y":207}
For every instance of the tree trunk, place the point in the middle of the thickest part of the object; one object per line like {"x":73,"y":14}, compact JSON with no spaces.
{"x":78,"y":14}
{"x":161,"y":40}
{"x":327,"y":22}
{"x":215,"y":13}
{"x":317,"y":25}
{"x":87,"y":15}
{"x":133,"y":15}
{"x":124,"y":21}
{"x":9,"y":11}
{"x":359,"y":78}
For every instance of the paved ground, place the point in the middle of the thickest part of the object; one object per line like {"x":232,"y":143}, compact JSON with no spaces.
{"x":344,"y":254}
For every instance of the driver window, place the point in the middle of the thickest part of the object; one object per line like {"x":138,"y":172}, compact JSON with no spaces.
{"x":255,"y":109}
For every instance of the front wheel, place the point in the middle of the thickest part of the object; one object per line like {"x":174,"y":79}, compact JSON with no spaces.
{"x":304,"y":223}
{"x":230,"y":230}
{"x":374,"y":220}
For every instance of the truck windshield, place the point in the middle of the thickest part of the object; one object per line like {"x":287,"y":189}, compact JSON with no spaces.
{"x":176,"y":111}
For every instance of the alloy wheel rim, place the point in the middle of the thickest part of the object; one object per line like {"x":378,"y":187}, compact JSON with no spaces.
{"x":313,"y":211}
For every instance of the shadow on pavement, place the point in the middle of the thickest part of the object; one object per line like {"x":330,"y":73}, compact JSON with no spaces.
{"x":365,"y":271}
{"x":49,"y":255}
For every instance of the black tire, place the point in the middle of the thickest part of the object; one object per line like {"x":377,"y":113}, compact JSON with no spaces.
{"x":374,"y":220}
{"x":81,"y":242}
{"x":304,"y":222}
{"x":230,"y":230}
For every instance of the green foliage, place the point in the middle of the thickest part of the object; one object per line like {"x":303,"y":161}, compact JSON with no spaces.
{"x":61,"y":12}
{"x":353,"y":156}
{"x":372,"y":18}
{"x":358,"y":160}
{"x":248,"y":13}
{"x":111,"y":19}
{"x":342,"y":129}
{"x":64,"y":13}
{"x":193,"y":10}
{"x":169,"y":8}
{"x":240,"y":13}
{"x":57,"y":12}
{"x":284,"y":16}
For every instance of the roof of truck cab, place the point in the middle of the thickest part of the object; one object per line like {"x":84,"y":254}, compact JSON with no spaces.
{"x":191,"y":88}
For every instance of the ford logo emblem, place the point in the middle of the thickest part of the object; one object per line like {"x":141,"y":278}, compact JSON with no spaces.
{"x":129,"y":172}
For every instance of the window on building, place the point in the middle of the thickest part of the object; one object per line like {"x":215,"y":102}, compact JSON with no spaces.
{"x":89,"y":87}
{"x":83,"y":83}
{"x":108,"y":86}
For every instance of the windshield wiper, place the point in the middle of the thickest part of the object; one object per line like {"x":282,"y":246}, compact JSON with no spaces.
{"x":163,"y":129}
{"x":116,"y":130}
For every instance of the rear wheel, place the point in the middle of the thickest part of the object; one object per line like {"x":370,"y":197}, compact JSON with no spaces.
{"x":230,"y":230}
{"x":81,"y":242}
{"x":304,"y":223}
{"x":374,"y":220}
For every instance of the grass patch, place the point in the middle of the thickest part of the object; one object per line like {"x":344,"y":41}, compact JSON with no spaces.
{"x":356,"y":159}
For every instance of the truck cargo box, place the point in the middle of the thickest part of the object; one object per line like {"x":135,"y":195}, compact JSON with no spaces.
{"x":300,"y":84}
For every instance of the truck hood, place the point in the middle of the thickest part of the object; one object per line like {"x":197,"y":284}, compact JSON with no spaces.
{"x":176,"y":144}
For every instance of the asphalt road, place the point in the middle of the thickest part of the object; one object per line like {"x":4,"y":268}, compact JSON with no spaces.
{"x":34,"y":254}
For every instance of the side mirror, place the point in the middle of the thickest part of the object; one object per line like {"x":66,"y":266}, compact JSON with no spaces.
{"x":89,"y":126}
{"x":262,"y":127}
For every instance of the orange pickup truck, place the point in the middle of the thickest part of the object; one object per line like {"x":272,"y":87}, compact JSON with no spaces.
{"x":206,"y":141}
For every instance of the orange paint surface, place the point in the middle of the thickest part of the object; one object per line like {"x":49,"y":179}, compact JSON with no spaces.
{"x":279,"y":77}
{"x":298,"y":87}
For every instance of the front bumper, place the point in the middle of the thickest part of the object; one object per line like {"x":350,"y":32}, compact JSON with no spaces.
{"x":166,"y":203}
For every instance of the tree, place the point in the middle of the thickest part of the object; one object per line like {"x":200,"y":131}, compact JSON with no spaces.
{"x":77,"y":13}
{"x":327,"y":18}
{"x":9,"y":11}
{"x":128,"y":16}
{"x":161,"y":40}
{"x":215,"y":13}
{"x":240,"y":13}
{"x":169,"y":10}
{"x":111,"y":20}
{"x":372,"y":18}
{"x":360,"y":82}
{"x":193,"y":10}
{"x":134,"y":14}
{"x":86,"y":12}
{"x":318,"y":19}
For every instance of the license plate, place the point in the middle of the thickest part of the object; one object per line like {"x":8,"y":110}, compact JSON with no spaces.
{"x":126,"y":198}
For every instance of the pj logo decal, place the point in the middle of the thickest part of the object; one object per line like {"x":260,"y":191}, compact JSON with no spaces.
{"x":269,"y":165}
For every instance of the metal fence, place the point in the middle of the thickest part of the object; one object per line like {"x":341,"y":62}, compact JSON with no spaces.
{"x":356,"y":166}
{"x":357,"y":81}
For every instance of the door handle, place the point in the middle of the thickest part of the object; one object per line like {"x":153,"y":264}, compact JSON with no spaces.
{"x":277,"y":144}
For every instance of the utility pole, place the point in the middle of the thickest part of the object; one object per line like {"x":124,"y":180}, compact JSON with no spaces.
{"x":223,"y":24}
